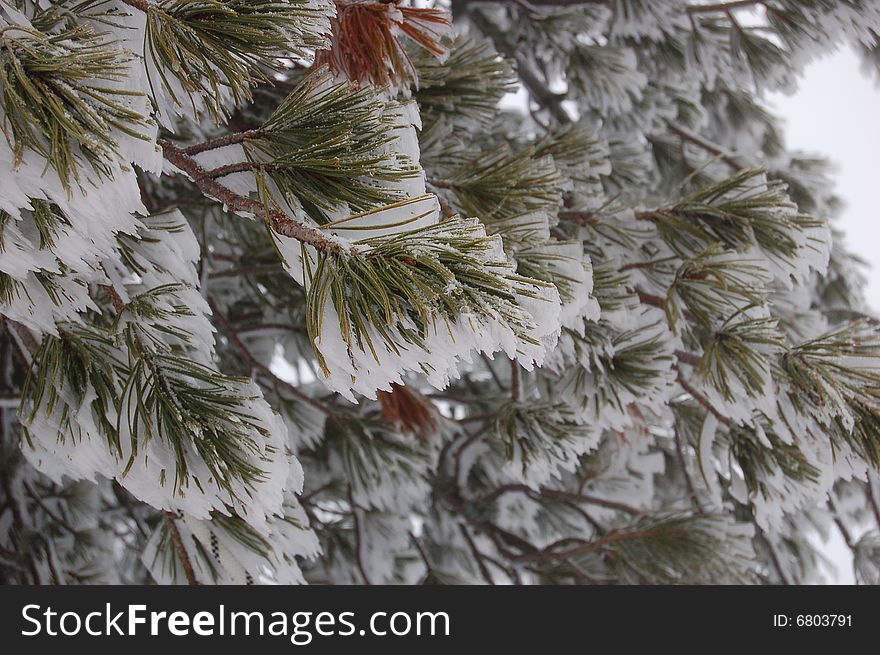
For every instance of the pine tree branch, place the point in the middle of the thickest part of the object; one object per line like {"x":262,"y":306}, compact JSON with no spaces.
{"x":688,"y":358}
{"x":844,"y":531}
{"x":239,"y":167}
{"x":564,"y":495}
{"x":774,"y":556}
{"x":222,"y":141}
{"x":26,"y":343}
{"x":422,"y":553}
{"x":700,"y":398}
{"x":584,"y":547}
{"x":724,"y":7}
{"x":18,"y":521}
{"x":502,"y":539}
{"x":357,"y":537}
{"x":689,"y":482}
{"x":530,"y":79}
{"x":187,"y":415}
{"x":713,"y":148}
{"x":478,"y":556}
{"x":180,"y":548}
{"x":583,"y":218}
{"x":515,"y":392}
{"x":280,"y":222}
{"x":255,"y":364}
{"x":140,"y":5}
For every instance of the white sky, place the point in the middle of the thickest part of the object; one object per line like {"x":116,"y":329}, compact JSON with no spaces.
{"x":836,"y":112}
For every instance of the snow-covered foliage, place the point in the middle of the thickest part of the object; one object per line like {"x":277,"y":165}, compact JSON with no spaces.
{"x":287,"y":296}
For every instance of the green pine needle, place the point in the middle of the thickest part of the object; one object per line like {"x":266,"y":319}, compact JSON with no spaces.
{"x":208,"y":47}
{"x":425,"y":275}
{"x":58,"y":98}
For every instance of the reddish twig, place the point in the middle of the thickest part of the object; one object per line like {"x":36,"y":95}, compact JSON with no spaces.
{"x":180,"y":548}
{"x":279,"y":221}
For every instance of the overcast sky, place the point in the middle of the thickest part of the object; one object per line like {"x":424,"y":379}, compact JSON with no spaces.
{"x":836,"y":112}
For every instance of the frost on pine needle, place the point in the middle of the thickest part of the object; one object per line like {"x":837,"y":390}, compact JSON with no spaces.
{"x":423,"y":298}
{"x":176,"y":434}
{"x":593,"y":320}
{"x":63,"y":98}
{"x":499,"y":183}
{"x":746,"y":211}
{"x":539,"y":442}
{"x":227,"y":550}
{"x":203,"y":58}
{"x":466,"y":86}
{"x":565,"y":266}
{"x":653,"y":19}
{"x":636,"y":367}
{"x":330,"y":144}
{"x":606,"y":79}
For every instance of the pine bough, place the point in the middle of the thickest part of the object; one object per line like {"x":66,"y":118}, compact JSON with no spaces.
{"x":286,"y":296}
